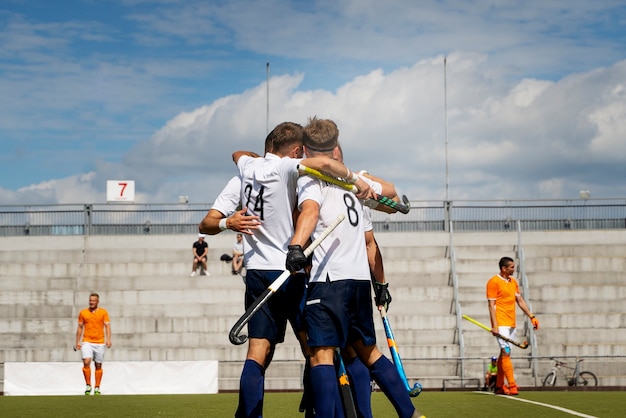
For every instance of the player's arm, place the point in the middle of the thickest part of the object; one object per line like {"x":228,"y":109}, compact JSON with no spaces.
{"x":522,"y":304}
{"x":238,"y":222}
{"x":79,"y":335}
{"x":491,"y":303}
{"x":337,"y":169}
{"x":382,"y":297}
{"x":388,"y":188}
{"x":107,"y":334}
{"x":306,"y":222}
{"x":374,"y":257}
{"x":305,"y":225}
{"x":238,"y":154}
{"x":524,"y":307}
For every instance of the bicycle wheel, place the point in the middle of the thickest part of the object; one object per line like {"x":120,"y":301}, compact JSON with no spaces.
{"x":586,"y":379}
{"x":550,"y":379}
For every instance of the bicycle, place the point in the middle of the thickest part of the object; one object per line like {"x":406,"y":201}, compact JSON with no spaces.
{"x":578,"y":378}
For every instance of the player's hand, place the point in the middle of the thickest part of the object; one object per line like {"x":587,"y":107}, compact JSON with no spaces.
{"x":535,"y":322}
{"x":240,"y":222}
{"x":365,"y":191}
{"x":382,"y":297}
{"x":77,"y":347}
{"x":296,"y":260}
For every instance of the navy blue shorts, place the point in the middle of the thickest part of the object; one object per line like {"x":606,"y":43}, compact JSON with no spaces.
{"x":339,"y":313}
{"x":270,"y":321}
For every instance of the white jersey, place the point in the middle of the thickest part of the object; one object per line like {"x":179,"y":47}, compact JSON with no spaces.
{"x":268,"y":190}
{"x":367,"y":219}
{"x":228,"y":199}
{"x":342,"y":255}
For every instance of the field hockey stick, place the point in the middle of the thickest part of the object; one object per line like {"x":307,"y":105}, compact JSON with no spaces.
{"x":349,"y":408}
{"x":523,"y":345}
{"x":393,"y":348}
{"x":234,"y":336}
{"x":400,"y":207}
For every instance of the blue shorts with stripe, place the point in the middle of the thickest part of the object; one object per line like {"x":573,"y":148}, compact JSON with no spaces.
{"x":339,"y":313}
{"x":270,"y":321}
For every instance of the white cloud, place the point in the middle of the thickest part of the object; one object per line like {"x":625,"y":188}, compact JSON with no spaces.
{"x":527,"y":139}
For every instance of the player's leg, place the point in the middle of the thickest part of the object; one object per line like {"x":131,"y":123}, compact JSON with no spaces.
{"x":194,"y":267}
{"x":265,"y":329}
{"x":507,"y":364}
{"x":381,"y":368}
{"x":326,"y":326}
{"x":252,"y":381}
{"x":360,"y":382}
{"x":86,"y":351}
{"x":98,"y":359}
{"x":327,"y":399}
{"x":505,"y":352}
{"x":386,"y":376}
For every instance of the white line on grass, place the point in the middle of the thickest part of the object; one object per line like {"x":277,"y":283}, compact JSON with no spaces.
{"x":558,"y":408}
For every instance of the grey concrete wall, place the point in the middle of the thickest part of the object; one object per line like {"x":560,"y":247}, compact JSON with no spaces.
{"x":577,"y":285}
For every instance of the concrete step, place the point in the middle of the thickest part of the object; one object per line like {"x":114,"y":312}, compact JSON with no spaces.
{"x":414,"y":278}
{"x":582,"y":306}
{"x":591,"y":265}
{"x":576,"y":250}
{"x":580,"y":350}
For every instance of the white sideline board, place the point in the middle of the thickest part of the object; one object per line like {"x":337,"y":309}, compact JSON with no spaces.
{"x":119,"y":378}
{"x":121,"y":191}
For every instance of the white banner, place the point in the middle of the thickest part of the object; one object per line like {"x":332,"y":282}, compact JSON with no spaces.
{"x":119,"y":378}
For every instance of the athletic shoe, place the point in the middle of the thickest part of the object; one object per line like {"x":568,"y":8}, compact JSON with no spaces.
{"x":193,"y":273}
{"x":88,"y":390}
{"x":96,"y":391}
{"x":206,"y":273}
{"x":513,"y":390}
{"x":502,"y":391}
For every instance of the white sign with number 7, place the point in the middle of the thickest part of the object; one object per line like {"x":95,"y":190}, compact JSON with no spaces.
{"x":120,"y":190}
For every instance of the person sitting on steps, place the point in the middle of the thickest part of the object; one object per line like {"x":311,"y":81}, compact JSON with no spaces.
{"x":200,"y":250}
{"x":237,"y":261}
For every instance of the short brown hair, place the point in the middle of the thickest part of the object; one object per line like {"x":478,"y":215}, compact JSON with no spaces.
{"x":284,"y":136}
{"x":321,"y":135}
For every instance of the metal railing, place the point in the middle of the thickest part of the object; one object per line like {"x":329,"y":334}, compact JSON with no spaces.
{"x":466,"y":215}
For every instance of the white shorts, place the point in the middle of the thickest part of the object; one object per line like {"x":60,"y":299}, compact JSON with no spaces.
{"x":508,"y":332}
{"x":93,"y":351}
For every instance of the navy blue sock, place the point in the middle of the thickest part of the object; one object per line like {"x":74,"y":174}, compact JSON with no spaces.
{"x":325,"y":390}
{"x":359,"y":376}
{"x":385,"y":374}
{"x":251,"y":390}
{"x":306,"y":403}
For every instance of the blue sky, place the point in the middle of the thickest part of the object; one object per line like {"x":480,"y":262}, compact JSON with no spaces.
{"x":162,"y":92}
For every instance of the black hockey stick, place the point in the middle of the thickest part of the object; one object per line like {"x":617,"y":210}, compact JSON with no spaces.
{"x":344,"y":387}
{"x":404,"y":207}
{"x":234,"y":336}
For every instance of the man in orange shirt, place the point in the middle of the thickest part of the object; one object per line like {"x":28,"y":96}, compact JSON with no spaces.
{"x":92,"y":336}
{"x":502,"y":294}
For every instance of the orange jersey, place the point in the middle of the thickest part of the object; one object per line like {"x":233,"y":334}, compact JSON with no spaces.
{"x":504,"y":292}
{"x":93,"y":324}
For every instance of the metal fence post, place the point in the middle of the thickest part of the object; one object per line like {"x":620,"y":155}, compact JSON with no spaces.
{"x":87,"y":225}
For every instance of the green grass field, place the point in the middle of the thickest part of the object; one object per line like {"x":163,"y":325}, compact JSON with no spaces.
{"x":285,"y":405}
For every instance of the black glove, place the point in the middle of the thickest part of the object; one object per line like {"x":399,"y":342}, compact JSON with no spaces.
{"x":296,"y":260}
{"x":382,"y":295}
